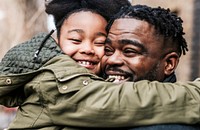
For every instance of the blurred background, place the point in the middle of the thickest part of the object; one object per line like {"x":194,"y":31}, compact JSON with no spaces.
{"x":22,"y":19}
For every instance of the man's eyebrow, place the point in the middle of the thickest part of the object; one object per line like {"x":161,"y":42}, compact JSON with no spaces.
{"x":76,"y":30}
{"x":108,"y":41}
{"x":133,"y":42}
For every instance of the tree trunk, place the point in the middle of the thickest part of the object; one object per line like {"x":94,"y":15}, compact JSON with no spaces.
{"x":19,"y":21}
{"x":195,"y":66}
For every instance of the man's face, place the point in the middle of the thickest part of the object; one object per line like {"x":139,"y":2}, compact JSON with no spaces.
{"x":133,"y":52}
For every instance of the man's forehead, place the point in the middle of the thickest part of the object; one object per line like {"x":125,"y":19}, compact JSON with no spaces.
{"x":131,"y":28}
{"x":123,"y":24}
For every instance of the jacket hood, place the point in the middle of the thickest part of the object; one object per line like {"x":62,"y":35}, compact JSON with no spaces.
{"x":20,"y":59}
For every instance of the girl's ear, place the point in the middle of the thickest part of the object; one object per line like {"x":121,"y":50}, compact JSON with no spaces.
{"x":171,"y":62}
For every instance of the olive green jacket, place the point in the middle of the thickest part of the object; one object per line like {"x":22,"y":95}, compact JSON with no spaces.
{"x":59,"y":94}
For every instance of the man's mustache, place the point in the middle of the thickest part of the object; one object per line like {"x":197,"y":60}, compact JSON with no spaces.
{"x":116,"y":69}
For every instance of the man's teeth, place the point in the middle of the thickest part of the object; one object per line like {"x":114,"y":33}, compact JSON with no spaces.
{"x":117,"y":77}
{"x":85,"y":63}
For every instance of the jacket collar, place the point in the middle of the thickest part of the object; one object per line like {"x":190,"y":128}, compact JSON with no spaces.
{"x":171,"y":78}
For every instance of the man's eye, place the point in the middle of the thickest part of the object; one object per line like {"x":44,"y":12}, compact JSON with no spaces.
{"x":130,"y":52}
{"x":108,"y":51}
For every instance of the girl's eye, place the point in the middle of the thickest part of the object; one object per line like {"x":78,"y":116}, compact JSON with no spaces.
{"x":100,"y":42}
{"x":76,"y":40}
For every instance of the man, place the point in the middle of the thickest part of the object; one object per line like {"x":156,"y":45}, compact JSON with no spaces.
{"x":144,"y":43}
{"x":65,"y":94}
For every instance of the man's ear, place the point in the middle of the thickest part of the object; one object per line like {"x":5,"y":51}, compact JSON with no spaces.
{"x":171,"y":62}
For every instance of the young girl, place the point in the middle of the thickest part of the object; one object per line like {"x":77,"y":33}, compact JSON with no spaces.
{"x":83,"y":39}
{"x":81,"y":34}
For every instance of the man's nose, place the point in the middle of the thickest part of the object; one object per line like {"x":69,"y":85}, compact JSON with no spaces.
{"x":115,"y":59}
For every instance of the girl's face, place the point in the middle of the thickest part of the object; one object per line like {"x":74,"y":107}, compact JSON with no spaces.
{"x":82,"y":37}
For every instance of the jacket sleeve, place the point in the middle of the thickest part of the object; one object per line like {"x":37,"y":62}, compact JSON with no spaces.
{"x":85,"y":101}
{"x":130,"y":104}
{"x":12,"y":89}
{"x":20,"y":60}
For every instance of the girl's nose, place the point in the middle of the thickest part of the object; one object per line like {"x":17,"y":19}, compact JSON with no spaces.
{"x":87,"y":48}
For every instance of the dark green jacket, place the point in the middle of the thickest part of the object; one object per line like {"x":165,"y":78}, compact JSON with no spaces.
{"x":59,"y":94}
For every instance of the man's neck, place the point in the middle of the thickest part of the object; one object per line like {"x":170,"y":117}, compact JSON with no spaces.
{"x":171,"y":78}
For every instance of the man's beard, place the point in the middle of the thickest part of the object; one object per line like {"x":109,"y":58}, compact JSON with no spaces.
{"x":152,"y":75}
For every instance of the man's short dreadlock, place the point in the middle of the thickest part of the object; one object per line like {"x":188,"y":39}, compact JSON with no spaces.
{"x":166,"y":23}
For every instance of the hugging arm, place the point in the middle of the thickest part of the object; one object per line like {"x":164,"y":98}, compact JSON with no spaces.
{"x":90,"y":102}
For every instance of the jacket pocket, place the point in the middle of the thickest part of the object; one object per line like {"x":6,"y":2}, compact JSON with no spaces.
{"x":73,"y":83}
